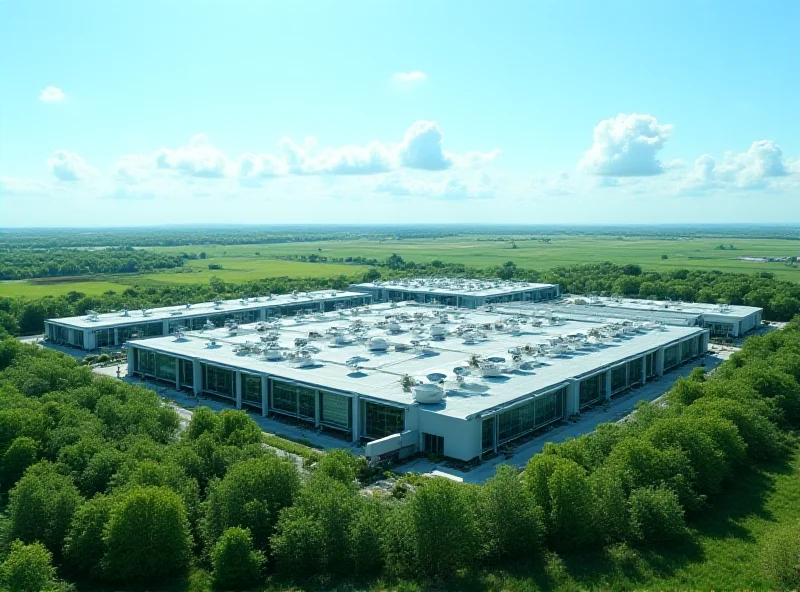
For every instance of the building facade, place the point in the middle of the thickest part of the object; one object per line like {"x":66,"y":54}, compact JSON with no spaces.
{"x":95,"y":331}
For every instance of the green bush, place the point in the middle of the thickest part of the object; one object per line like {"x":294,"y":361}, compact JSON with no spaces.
{"x":236,"y":564}
{"x":27,"y":568}
{"x":656,"y":515}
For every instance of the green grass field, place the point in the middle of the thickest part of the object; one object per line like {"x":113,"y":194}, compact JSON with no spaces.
{"x":700,"y":253}
{"x":242,"y":263}
{"x":34,"y":289}
{"x":242,"y":269}
{"x":234,"y":270}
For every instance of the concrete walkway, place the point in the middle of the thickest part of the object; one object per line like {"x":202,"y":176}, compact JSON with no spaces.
{"x":617,"y":409}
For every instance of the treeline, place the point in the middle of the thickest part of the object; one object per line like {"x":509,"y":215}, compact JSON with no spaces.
{"x":26,"y":238}
{"x":18,"y":264}
{"x":25,"y":316}
{"x":779,"y":299}
{"x":103,"y":483}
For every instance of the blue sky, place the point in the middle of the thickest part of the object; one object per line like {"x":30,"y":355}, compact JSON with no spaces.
{"x":148,"y":112}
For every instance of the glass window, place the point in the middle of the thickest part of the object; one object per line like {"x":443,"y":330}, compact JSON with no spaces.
{"x":635,"y":370}
{"x":218,"y":381}
{"x":335,"y":409}
{"x":165,"y":367}
{"x":550,"y":407}
{"x":619,"y":378}
{"x":186,"y":372}
{"x":487,"y":434}
{"x":591,"y":389}
{"x":383,"y":420}
{"x":294,"y":400}
{"x":251,"y":389}
{"x":671,"y":356}
{"x":433,"y":444}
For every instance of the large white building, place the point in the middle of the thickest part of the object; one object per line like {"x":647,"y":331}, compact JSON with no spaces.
{"x":722,"y":320}
{"x":419,"y":377}
{"x":93,"y":331}
{"x":466,"y":293}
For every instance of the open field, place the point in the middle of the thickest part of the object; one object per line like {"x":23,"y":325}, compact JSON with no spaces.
{"x":682,"y":253}
{"x":40,"y":289}
{"x":242,"y":269}
{"x":241,"y":263}
{"x":234,"y":269}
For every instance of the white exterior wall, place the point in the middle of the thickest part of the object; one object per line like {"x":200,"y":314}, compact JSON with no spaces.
{"x":462,"y":439}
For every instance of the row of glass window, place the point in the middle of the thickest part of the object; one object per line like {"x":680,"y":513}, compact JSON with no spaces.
{"x":61,"y":334}
{"x":524,"y":418}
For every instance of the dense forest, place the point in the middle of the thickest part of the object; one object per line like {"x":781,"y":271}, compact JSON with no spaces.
{"x":18,"y":264}
{"x":97,"y":474}
{"x":779,"y":299}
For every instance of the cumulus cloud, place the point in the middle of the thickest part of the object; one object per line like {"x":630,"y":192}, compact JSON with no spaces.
{"x":52,"y":94}
{"x":627,"y":146}
{"x":68,"y":166}
{"x":197,"y":159}
{"x":745,"y":170}
{"x":407,"y":79}
{"x":421,"y":148}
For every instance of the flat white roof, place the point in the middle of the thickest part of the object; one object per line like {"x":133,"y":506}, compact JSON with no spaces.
{"x":114,"y":319}
{"x":732,"y":311}
{"x":464,"y":287}
{"x":378,"y":374}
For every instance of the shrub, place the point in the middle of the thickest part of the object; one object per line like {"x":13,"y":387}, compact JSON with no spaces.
{"x":656,"y":515}
{"x":27,"y":568}
{"x":236,"y":564}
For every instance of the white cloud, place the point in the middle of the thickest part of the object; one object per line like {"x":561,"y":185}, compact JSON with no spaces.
{"x":197,"y":159}
{"x":17,"y":186}
{"x":421,"y":148}
{"x":52,"y":94}
{"x":626,"y":146}
{"x":763,"y":160}
{"x":68,"y":166}
{"x":450,"y":188}
{"x":407,"y":79}
{"x":133,"y":168}
{"x":753,"y":169}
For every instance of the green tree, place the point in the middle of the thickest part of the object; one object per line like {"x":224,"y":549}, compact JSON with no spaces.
{"x":41,"y":506}
{"x":570,"y":519}
{"x":251,"y":495}
{"x":509,"y":521}
{"x":443,"y":526}
{"x":85,"y":547}
{"x":147,"y":537}
{"x":22,"y":453}
{"x":235,"y":563}
{"x":28,"y":568}
{"x":297,"y":544}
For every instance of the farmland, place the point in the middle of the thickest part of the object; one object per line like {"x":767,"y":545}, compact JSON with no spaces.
{"x":553,"y":251}
{"x":242,"y":263}
{"x":233,"y":269}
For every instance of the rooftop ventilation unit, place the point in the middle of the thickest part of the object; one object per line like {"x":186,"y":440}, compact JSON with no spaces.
{"x":188,"y":306}
{"x":92,"y":315}
{"x":146,"y":312}
{"x":125,"y":313}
